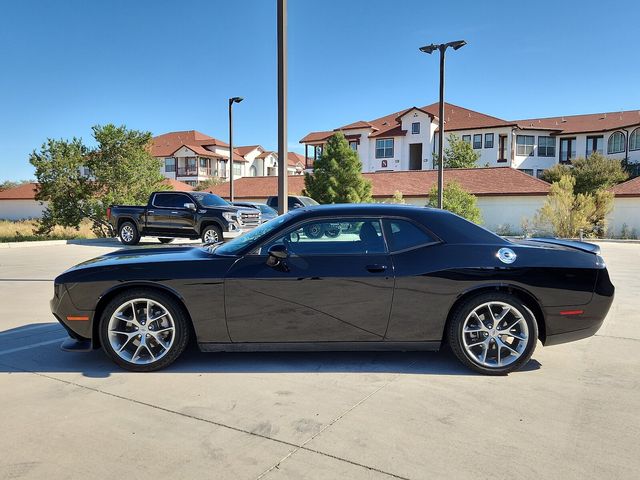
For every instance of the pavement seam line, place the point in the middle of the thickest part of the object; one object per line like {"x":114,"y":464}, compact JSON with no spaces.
{"x":617,"y":337}
{"x":218,"y":424}
{"x":330,"y":424}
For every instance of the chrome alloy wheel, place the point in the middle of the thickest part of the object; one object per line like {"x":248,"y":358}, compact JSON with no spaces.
{"x":141,"y":331}
{"x":495,"y":334}
{"x":211,"y":236}
{"x":127,"y":233}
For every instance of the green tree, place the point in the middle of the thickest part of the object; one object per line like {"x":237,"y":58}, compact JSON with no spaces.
{"x":208,"y":184}
{"x":457,"y":200}
{"x":337,"y":175}
{"x":122,"y":171}
{"x":593,"y":173}
{"x":458,"y":154}
{"x":566,"y":213}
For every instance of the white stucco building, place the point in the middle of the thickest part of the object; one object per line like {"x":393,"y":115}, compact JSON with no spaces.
{"x":192,"y":157}
{"x":407,"y":140}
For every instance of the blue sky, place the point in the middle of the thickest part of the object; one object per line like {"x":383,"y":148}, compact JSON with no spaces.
{"x":171,"y":65}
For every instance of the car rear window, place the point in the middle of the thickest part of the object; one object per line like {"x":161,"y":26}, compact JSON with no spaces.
{"x":403,"y":234}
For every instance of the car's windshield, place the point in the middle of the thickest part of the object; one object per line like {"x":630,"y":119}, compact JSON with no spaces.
{"x":209,"y":199}
{"x":308,"y":201}
{"x":266,"y":209}
{"x":264,"y":230}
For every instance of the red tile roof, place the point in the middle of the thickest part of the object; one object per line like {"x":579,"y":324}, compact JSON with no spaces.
{"x":294,"y":159}
{"x":248,"y":149}
{"x":630,"y":188}
{"x":25,"y":191}
{"x":178,"y":186}
{"x":164,"y":145}
{"x":199,"y":150}
{"x":492,"y":181}
{"x":593,"y":122}
{"x":456,"y":118}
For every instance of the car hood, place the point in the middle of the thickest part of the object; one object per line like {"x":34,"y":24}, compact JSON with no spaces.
{"x":143,"y":255}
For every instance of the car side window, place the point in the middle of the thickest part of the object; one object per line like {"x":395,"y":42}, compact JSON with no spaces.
{"x":402,"y":235}
{"x":170,"y":200}
{"x":332,"y":237}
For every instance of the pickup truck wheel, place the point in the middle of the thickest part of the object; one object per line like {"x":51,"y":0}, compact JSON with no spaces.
{"x":144,"y":330}
{"x":129,"y":234}
{"x":211,"y":234}
{"x":314,"y":230}
{"x":165,"y":240}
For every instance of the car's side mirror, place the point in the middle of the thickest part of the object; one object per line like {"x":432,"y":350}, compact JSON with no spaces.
{"x":277,"y":253}
{"x":190,"y":206}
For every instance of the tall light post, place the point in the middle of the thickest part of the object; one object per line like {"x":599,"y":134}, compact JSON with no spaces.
{"x":442,"y":48}
{"x":231,"y":102}
{"x":283,"y":189}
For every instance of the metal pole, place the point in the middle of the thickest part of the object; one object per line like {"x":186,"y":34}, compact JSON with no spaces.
{"x":283,"y":189}
{"x":442,"y":49}
{"x":230,"y":150}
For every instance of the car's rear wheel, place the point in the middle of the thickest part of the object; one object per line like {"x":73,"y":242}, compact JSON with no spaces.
{"x":143,"y":330}
{"x":493,"y":333}
{"x":211,"y":234}
{"x":165,"y":240}
{"x":129,"y":234}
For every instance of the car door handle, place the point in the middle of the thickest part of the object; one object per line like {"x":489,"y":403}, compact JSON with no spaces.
{"x":376,"y":268}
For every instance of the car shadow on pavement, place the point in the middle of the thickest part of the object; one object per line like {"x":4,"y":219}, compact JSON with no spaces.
{"x":36,"y":348}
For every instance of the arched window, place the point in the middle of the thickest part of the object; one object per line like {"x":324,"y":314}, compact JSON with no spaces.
{"x":634,"y":140}
{"x":253,"y":171}
{"x":616,"y":143}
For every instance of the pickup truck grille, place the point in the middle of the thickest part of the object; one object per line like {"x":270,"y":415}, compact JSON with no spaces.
{"x":249,"y":220}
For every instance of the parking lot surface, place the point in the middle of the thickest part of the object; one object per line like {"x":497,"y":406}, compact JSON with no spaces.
{"x":572,"y":412}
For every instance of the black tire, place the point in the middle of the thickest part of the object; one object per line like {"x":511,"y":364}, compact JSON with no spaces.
{"x":211,"y":234}
{"x":465,"y":309}
{"x":166,"y":240}
{"x":333,"y":231}
{"x":180,"y":320}
{"x":315,"y":230}
{"x":128,"y":233}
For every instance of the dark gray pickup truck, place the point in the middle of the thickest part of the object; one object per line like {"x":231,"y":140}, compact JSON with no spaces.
{"x":170,"y":215}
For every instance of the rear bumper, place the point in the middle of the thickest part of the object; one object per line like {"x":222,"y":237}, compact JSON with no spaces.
{"x":569,"y":323}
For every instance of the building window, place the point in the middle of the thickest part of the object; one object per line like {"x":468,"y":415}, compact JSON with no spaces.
{"x":466,"y":138}
{"x":502,"y":148}
{"x":253,"y":171}
{"x":170,"y":164}
{"x":353,"y":145}
{"x":415,"y":128}
{"x":567,"y":149}
{"x":384,"y":148}
{"x":237,"y":169}
{"x":594,"y":144}
{"x":528,"y":171}
{"x":488,"y":140}
{"x":634,"y":141}
{"x":477,"y":141}
{"x":546,"y":146}
{"x":539,"y":173}
{"x":86,"y":171}
{"x":616,"y":143}
{"x":524,"y":145}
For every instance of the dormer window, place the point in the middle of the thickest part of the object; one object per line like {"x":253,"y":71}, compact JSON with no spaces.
{"x":415,"y":128}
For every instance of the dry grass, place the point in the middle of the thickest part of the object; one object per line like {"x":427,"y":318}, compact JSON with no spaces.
{"x":23,"y":230}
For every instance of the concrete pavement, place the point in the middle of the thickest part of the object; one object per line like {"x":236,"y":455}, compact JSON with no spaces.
{"x":571,"y":413}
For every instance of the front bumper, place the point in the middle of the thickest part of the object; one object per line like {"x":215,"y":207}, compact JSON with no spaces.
{"x":78,"y":323}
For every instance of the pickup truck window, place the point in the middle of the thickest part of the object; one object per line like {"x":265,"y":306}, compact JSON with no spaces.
{"x":209,"y":200}
{"x":170,"y":200}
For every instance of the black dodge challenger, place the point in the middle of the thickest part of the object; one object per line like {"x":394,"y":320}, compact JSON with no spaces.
{"x":386,"y":277}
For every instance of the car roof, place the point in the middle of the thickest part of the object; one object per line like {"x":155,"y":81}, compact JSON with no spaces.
{"x":364,"y":209}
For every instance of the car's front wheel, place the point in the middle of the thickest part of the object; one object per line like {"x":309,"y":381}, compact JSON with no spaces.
{"x":493,"y":333}
{"x":211,"y":234}
{"x":143,"y":330}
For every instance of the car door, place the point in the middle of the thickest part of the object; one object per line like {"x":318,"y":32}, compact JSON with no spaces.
{"x":328,"y":289}
{"x":168,"y":213}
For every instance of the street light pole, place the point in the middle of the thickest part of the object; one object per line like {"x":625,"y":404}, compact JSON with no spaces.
{"x":231,"y":102}
{"x":442,"y":48}
{"x":283,"y":189}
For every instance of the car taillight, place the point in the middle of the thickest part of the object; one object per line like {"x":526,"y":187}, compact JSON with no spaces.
{"x":108,"y":213}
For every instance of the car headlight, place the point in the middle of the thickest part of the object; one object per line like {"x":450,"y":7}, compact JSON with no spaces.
{"x":230,"y":216}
